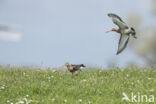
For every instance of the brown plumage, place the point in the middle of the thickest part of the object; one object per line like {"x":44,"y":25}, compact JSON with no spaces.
{"x":72,"y":68}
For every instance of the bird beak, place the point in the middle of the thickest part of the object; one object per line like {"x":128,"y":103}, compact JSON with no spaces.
{"x":109,"y":31}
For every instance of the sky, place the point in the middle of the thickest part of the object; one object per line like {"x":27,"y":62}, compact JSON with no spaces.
{"x":52,"y":32}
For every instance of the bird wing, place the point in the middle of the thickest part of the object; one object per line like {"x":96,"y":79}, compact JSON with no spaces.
{"x":118,"y":21}
{"x":74,"y":66}
{"x":122,"y":43}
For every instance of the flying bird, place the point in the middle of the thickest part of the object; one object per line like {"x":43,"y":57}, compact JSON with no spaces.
{"x":123,"y":30}
{"x":72,"y":68}
{"x":9,"y":33}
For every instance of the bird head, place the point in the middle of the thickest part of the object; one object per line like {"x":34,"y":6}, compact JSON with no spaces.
{"x":66,"y":64}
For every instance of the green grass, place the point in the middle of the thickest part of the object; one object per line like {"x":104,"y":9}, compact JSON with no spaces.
{"x":90,"y":86}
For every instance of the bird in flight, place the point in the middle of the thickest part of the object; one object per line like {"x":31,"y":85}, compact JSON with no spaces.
{"x":123,"y":30}
{"x":73,"y":68}
{"x":9,"y":33}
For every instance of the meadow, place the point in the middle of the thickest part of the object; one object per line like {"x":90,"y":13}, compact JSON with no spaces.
{"x":90,"y":86}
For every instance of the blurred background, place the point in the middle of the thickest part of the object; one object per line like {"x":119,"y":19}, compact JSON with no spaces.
{"x":52,"y":32}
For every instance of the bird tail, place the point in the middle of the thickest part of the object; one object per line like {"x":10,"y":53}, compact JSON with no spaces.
{"x":83,"y":65}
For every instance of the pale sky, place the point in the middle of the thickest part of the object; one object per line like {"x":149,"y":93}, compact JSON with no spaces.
{"x":53,"y":32}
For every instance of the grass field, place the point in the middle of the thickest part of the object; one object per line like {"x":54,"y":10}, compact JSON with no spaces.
{"x":91,"y":86}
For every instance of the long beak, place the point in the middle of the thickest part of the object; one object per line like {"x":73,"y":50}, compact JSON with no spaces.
{"x":109,"y":31}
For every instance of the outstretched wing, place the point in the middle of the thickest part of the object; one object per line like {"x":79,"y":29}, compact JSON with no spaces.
{"x":118,"y":21}
{"x":122,"y":43}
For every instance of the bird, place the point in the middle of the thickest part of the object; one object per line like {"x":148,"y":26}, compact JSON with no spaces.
{"x":72,"y":68}
{"x":9,"y":33}
{"x":123,"y":30}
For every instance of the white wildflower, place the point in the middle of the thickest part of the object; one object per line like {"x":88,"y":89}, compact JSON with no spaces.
{"x":65,"y":100}
{"x":53,"y":99}
{"x":138,"y":81}
{"x":89,"y":102}
{"x":152,"y":90}
{"x":149,"y":78}
{"x":2,"y":87}
{"x":8,"y":101}
{"x":20,"y":102}
{"x":84,"y":80}
{"x":25,"y":99}
{"x":27,"y":95}
{"x":29,"y":101}
{"x":80,"y":100}
{"x":53,"y":71}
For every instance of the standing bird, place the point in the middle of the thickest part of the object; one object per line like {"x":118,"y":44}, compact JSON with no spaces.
{"x":123,"y":30}
{"x":73,"y":68}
